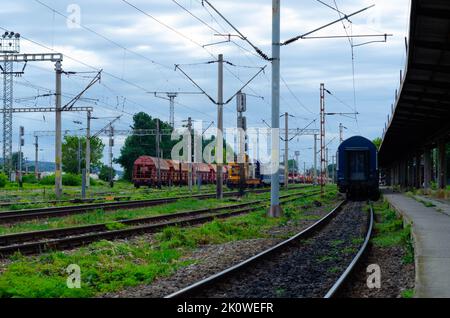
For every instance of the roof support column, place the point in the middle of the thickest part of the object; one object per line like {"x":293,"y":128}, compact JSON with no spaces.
{"x":404,"y":173}
{"x":418,"y":170}
{"x":442,"y":164}
{"x":427,"y":168}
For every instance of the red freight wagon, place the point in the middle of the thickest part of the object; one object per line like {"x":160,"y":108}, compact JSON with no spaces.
{"x":145,"y":171}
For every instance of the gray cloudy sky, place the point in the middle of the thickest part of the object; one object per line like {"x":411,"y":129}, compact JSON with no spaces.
{"x":138,"y":55}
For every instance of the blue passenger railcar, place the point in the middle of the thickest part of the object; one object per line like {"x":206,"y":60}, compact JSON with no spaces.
{"x":357,"y":168}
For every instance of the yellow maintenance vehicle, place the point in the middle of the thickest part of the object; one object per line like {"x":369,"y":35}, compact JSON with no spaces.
{"x":251,"y":175}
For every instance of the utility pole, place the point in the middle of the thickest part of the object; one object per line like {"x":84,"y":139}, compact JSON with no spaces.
{"x":36,"y":159}
{"x":158,"y":152}
{"x":219,"y":142}
{"x":333,"y":168}
{"x":275,"y":208}
{"x":58,"y":143}
{"x":79,"y":155}
{"x":327,"y":173}
{"x":111,"y":145}
{"x":286,"y":151}
{"x":242,"y":127}
{"x":88,"y":149}
{"x":171,"y":97}
{"x":21,"y":144}
{"x":315,"y":160}
{"x":189,"y":149}
{"x":322,"y":138}
{"x":297,"y":154}
{"x":10,"y":45}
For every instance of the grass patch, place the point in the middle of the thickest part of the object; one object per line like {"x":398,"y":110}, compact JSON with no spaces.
{"x":112,"y":226}
{"x":390,"y":231}
{"x":110,"y":266}
{"x":326,"y":258}
{"x":408,"y":293}
{"x":336,"y":243}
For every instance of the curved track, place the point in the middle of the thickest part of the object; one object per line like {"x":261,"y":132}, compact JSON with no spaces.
{"x":306,"y":265}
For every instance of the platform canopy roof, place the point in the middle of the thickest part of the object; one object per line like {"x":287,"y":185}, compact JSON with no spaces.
{"x":421,"y":113}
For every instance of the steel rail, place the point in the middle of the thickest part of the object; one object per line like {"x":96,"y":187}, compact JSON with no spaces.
{"x":185,"y":292}
{"x":27,"y":214}
{"x":16,"y":238}
{"x":345,"y":275}
{"x":97,"y":231}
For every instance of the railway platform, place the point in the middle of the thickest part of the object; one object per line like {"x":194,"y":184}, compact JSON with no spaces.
{"x":431,"y":232}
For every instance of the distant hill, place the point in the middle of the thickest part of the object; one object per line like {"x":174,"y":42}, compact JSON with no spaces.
{"x":42,"y":165}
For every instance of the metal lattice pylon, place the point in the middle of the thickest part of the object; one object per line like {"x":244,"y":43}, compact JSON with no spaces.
{"x":7,"y":115}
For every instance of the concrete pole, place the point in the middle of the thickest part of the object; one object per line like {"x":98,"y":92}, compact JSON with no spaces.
{"x":36,"y":156}
{"x":219,"y":141}
{"x":158,"y":153}
{"x":172,"y":109}
{"x":21,"y":133}
{"x":333,"y":169}
{"x":83,"y":184}
{"x":189,"y":150}
{"x":341,"y":133}
{"x":241,"y":157}
{"x":79,"y":155}
{"x":427,"y":168}
{"x":275,"y":208}
{"x":327,"y":174}
{"x":88,"y":149}
{"x":58,"y":142}
{"x":111,"y":145}
{"x":315,"y":159}
{"x":286,"y":151}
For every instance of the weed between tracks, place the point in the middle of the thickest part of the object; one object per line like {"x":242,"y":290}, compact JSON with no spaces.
{"x":110,"y":266}
{"x":100,"y":216}
{"x":390,"y":231}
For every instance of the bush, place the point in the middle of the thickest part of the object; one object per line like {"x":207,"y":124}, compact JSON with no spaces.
{"x":104,"y":173}
{"x":93,"y":182}
{"x":29,"y":178}
{"x":68,"y":179}
{"x":48,"y":180}
{"x":3,"y":180}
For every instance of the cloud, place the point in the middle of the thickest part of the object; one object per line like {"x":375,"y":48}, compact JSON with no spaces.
{"x":305,"y":64}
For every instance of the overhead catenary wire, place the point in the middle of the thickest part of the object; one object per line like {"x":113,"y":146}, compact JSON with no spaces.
{"x":257,"y":50}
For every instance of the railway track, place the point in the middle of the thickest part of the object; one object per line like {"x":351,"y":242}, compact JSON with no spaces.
{"x":28,"y":214}
{"x":65,"y":238}
{"x":313,"y":263}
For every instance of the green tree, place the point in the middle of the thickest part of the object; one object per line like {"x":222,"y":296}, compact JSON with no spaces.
{"x":377,"y":142}
{"x":292,"y":165}
{"x":136,"y":146}
{"x":15,"y":160}
{"x":70,"y":153}
{"x":104,"y":173}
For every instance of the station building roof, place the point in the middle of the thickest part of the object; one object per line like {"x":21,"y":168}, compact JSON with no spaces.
{"x":421,"y":113}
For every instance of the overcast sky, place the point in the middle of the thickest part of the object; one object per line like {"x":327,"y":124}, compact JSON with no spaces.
{"x":138,"y":54}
